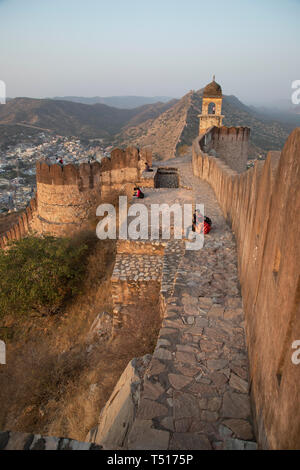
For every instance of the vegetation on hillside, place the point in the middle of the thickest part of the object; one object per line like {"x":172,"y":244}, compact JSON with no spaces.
{"x":61,"y":369}
{"x":40,"y":274}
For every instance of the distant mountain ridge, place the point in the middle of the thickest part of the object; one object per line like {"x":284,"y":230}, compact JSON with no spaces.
{"x":176,"y":128}
{"x":122,"y":102}
{"x":167,"y":127}
{"x":69,"y":118}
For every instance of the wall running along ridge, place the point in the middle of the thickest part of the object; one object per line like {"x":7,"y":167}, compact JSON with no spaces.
{"x":263,"y":207}
{"x":67,"y":196}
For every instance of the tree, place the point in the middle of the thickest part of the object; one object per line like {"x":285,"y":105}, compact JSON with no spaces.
{"x":40,"y":274}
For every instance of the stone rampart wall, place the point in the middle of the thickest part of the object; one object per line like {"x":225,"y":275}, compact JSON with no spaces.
{"x":68,"y":195}
{"x":263,"y":207}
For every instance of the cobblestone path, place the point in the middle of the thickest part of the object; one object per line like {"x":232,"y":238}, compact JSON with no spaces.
{"x":195,"y":393}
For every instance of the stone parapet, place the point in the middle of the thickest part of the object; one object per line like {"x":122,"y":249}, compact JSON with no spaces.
{"x":263,"y":207}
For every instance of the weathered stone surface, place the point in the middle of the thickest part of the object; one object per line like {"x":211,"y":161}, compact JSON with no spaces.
{"x":235,"y":405}
{"x":216,"y":311}
{"x":185,"y":406}
{"x":216,"y":364}
{"x":155,"y":367}
{"x":152,"y":390}
{"x":209,"y":416}
{"x":168,"y":423}
{"x":202,"y":390}
{"x":188,"y":370}
{"x":18,"y":440}
{"x":241,"y":428}
{"x":233,"y":314}
{"x":189,"y":441}
{"x":189,"y":358}
{"x":161,"y":353}
{"x":195,"y":331}
{"x":179,"y":381}
{"x":238,"y":383}
{"x":144,"y":437}
{"x":119,"y":411}
{"x":183,"y":425}
{"x":186,"y":348}
{"x":191,"y":309}
{"x":149,"y":409}
{"x":236,"y":444}
{"x":205,"y":302}
{"x":201,"y":322}
{"x":214,"y":404}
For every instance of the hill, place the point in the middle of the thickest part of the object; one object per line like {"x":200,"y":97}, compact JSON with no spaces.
{"x":176,"y":128}
{"x":168,"y":127}
{"x":122,"y":102}
{"x":68,"y":118}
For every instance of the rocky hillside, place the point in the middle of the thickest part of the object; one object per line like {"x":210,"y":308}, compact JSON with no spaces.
{"x":164,"y":133}
{"x":123,"y":102}
{"x":174,"y":129}
{"x":68,"y":118}
{"x":167,"y":127}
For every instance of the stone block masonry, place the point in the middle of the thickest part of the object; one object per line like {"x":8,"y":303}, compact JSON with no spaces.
{"x":230,"y":144}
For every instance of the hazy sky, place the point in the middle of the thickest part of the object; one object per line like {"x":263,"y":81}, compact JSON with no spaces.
{"x":156,"y":47}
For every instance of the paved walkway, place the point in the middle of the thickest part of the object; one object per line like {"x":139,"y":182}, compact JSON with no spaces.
{"x":195,"y":392}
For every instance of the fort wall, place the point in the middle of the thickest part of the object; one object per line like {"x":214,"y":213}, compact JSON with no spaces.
{"x":68,"y":195}
{"x":263,"y":207}
{"x":231,"y":144}
{"x":23,"y":225}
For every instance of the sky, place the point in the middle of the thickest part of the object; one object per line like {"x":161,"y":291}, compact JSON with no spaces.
{"x":149,"y":48}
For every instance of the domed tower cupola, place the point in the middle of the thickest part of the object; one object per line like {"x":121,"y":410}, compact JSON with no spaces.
{"x":211,"y":106}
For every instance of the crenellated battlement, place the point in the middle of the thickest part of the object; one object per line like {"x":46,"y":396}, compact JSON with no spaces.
{"x":83,"y":174}
{"x":22,"y":226}
{"x":86,"y":175}
{"x":68,"y":195}
{"x":231,"y":133}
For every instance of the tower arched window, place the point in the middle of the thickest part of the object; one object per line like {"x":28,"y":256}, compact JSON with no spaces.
{"x":212,"y":108}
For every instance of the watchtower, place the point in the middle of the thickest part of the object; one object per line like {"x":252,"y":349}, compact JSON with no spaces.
{"x":211,"y":107}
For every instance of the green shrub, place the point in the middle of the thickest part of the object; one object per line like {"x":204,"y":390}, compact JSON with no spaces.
{"x":40,"y":274}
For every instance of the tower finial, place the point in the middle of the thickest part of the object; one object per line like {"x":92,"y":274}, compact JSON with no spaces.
{"x":214,"y":78}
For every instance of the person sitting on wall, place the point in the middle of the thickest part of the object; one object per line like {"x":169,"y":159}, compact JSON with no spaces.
{"x":138,"y":193}
{"x":147,"y":167}
{"x":201,"y":224}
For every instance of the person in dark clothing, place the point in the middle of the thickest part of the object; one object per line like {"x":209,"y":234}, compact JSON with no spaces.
{"x":201,"y":224}
{"x":147,"y":167}
{"x":138,"y":193}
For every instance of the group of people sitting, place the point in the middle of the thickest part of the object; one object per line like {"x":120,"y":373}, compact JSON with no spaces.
{"x":138,"y":193}
{"x":201,"y":224}
{"x":59,"y":161}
